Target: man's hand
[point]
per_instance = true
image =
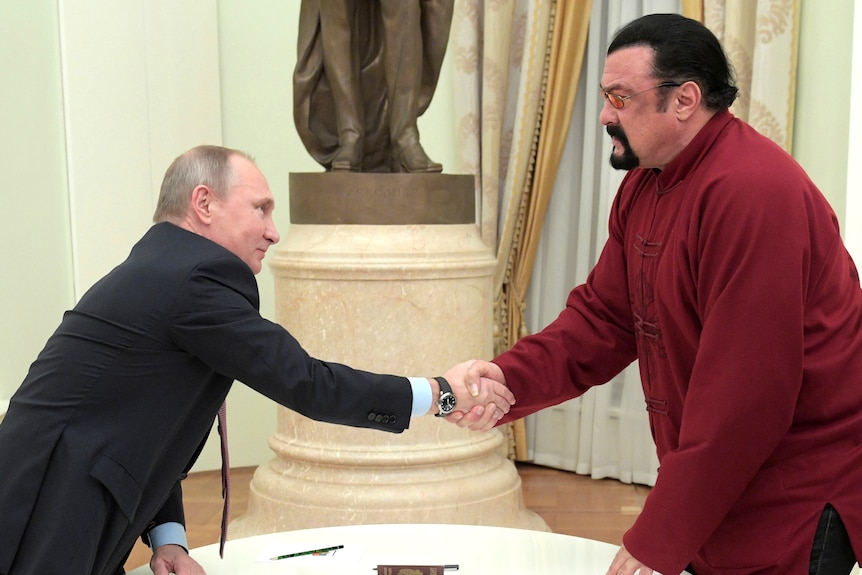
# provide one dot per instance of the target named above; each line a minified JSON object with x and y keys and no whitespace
{"x":625,"y":564}
{"x":482,"y":395}
{"x":174,"y":559}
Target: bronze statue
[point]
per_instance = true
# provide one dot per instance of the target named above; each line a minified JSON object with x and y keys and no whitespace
{"x":366,"y":70}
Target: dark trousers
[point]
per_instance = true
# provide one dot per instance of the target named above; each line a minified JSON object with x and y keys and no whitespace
{"x":831,"y":553}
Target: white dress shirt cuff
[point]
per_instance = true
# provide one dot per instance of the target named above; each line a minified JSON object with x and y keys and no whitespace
{"x":421,"y":395}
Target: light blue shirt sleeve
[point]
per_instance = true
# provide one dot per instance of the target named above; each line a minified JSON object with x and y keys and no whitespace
{"x":167,"y":534}
{"x":421,"y":395}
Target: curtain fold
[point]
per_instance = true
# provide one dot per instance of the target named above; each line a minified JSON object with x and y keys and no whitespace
{"x":566,"y":57}
{"x":761,"y":38}
{"x":489,"y":40}
{"x":693,"y":9}
{"x":568,"y":43}
{"x":513,"y":130}
{"x":500,"y":51}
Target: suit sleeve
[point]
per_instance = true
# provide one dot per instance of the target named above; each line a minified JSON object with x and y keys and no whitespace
{"x":173,"y":511}
{"x":219,"y":323}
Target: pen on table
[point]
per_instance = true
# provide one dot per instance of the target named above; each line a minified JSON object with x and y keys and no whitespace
{"x":310,"y":552}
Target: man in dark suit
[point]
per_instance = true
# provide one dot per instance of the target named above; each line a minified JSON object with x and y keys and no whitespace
{"x":118,"y":404}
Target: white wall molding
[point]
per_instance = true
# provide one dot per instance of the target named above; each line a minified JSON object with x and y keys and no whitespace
{"x":853,"y":221}
{"x":141,"y":84}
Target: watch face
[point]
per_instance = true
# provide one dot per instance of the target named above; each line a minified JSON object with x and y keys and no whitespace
{"x":447,"y":403}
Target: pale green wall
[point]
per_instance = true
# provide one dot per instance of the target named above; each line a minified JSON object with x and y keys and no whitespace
{"x":36,"y":280}
{"x":822,"y":97}
{"x":258,"y":51}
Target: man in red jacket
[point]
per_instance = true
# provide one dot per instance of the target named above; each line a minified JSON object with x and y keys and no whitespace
{"x":725,"y":276}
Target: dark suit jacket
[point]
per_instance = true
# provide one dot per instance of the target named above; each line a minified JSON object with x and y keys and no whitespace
{"x":117,"y":404}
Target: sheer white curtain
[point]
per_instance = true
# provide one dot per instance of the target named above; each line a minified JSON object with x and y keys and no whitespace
{"x":605,"y":433}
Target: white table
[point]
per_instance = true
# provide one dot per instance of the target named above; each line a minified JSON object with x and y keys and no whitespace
{"x":477,"y":550}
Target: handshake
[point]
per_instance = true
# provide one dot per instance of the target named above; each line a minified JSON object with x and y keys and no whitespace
{"x":481,"y":397}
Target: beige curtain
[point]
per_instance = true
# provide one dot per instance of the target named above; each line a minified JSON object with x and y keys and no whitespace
{"x":526,"y":213}
{"x":498,"y":48}
{"x":530,"y":50}
{"x":761,"y":38}
{"x":568,"y":42}
{"x":693,"y":9}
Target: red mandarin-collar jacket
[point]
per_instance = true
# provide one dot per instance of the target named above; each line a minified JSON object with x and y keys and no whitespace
{"x":726,"y":277}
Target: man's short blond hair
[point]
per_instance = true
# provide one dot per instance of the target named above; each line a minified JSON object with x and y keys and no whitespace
{"x":202,"y":165}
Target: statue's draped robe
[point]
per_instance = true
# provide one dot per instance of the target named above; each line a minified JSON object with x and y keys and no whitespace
{"x":313,"y":106}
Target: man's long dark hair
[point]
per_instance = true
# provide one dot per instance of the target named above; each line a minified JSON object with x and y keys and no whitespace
{"x":684,"y":50}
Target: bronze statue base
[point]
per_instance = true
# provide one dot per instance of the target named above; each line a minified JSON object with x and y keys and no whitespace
{"x":333,"y":198}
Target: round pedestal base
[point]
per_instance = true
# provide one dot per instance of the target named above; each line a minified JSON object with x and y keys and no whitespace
{"x":408,"y":299}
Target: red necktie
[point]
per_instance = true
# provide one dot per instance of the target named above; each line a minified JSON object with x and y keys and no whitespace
{"x":225,"y":475}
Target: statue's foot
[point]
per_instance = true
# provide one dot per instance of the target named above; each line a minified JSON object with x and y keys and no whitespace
{"x":348,"y":159}
{"x":412,"y":158}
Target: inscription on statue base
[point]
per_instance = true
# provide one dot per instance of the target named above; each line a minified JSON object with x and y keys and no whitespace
{"x":335,"y":198}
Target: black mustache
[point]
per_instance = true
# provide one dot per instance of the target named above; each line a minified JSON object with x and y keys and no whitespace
{"x":615,"y":131}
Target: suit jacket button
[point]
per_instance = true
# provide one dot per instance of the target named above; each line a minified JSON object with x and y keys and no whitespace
{"x":378,"y":419}
{"x":371,"y":416}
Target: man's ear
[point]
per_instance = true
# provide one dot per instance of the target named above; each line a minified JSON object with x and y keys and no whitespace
{"x":202,"y":199}
{"x":688,"y":98}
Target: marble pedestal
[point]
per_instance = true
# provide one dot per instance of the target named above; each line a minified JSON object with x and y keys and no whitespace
{"x":396,"y":297}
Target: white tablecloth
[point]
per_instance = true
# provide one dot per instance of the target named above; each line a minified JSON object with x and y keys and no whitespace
{"x":476,"y":550}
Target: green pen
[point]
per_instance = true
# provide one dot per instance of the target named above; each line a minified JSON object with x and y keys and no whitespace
{"x":310,"y":552}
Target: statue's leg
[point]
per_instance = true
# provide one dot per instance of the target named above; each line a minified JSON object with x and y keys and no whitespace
{"x":403,"y":57}
{"x":341,"y":64}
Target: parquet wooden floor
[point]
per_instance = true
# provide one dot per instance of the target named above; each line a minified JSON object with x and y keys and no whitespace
{"x":573,"y":504}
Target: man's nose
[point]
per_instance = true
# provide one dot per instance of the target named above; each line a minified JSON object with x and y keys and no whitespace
{"x":272,"y":233}
{"x":606,"y":115}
